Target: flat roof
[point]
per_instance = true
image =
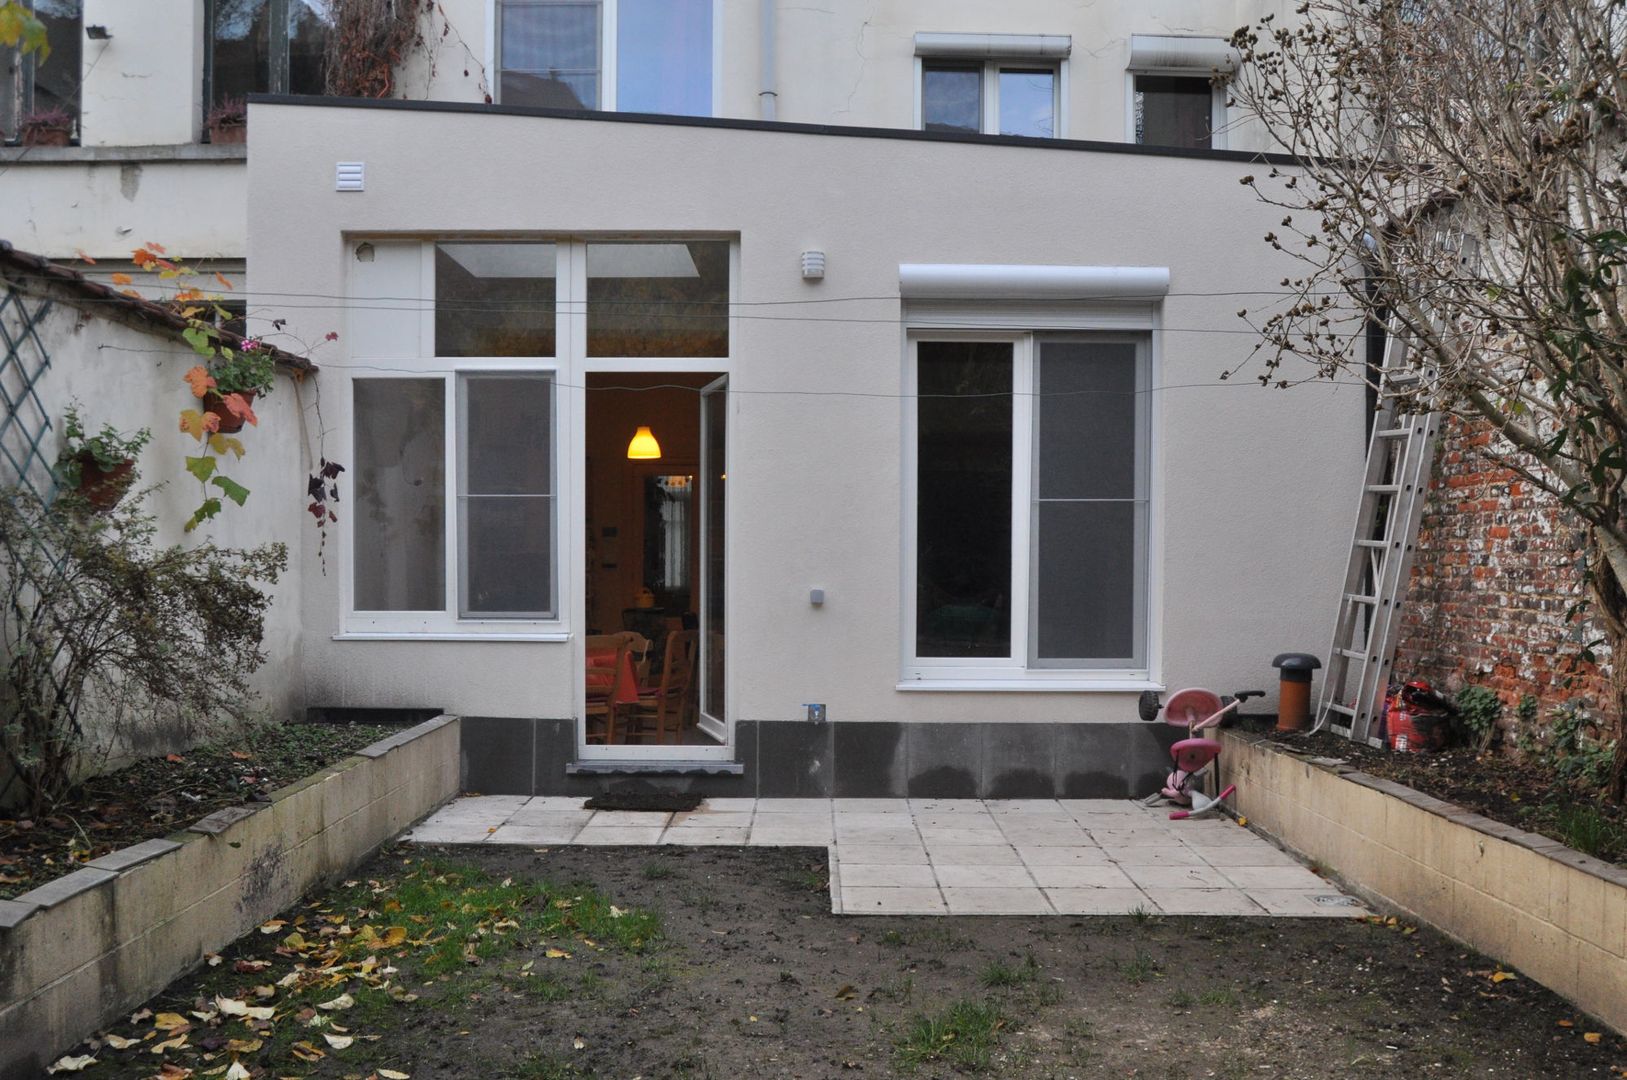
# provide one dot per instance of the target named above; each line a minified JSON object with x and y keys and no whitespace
{"x":906,"y":134}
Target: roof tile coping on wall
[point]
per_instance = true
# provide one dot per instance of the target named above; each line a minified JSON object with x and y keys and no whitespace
{"x":74,"y":286}
{"x":111,"y":865}
{"x":1542,"y":845}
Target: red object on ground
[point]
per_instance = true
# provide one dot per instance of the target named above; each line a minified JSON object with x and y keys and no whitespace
{"x":629,"y":678}
{"x":1414,"y":719}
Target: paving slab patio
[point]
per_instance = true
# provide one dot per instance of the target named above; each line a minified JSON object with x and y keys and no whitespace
{"x":950,"y":856}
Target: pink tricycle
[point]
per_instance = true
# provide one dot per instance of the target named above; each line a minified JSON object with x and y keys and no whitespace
{"x":1197,"y":710}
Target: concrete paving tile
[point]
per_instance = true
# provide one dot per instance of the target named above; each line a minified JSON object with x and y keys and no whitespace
{"x":1204,"y":902}
{"x":700,"y":836}
{"x":1222,"y":836}
{"x":1256,"y":854}
{"x":863,"y":819}
{"x":555,"y":804}
{"x":873,"y":837}
{"x":545,"y":820}
{"x":1131,"y":838}
{"x":1064,"y":856}
{"x":963,"y":836}
{"x":794,"y":806}
{"x":790,"y":821}
{"x":1102,"y":808}
{"x":1149,"y":878}
{"x":513,"y":833}
{"x":623,"y":819}
{"x":1154,"y":855}
{"x":896,"y":876}
{"x":983,"y":877}
{"x":880,"y":854}
{"x":947,"y":806}
{"x":873,"y":901}
{"x":728,"y":805}
{"x":619,"y":834}
{"x":1080,"y":877}
{"x":871,"y":806}
{"x":1100,"y":901}
{"x":1275,"y":877}
{"x":450,"y":834}
{"x":996,"y":901}
{"x":710,"y":821}
{"x":1026,"y":808}
{"x":1048,"y":837}
{"x":483,"y":807}
{"x":973,"y":854}
{"x":1324,"y":903}
{"x":770,"y":836}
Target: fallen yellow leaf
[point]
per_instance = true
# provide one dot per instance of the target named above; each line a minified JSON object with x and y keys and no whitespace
{"x":339,"y":1042}
{"x":557,"y":954}
{"x":233,"y":1007}
{"x":237,"y":1072}
{"x":1503,"y":976}
{"x":119,"y":1042}
{"x":273,"y":925}
{"x":70,"y":1063}
{"x":1567,"y":1023}
{"x":343,"y":1001}
{"x":169,"y":1044}
{"x":1591,"y":1036}
{"x":306,"y":1052}
{"x":391,"y":1074}
{"x":171,"y":1022}
{"x":243,"y":1046}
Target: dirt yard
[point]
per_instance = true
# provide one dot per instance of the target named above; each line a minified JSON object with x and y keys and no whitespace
{"x":725,"y":963}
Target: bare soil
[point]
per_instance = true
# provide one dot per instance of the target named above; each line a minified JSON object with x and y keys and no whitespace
{"x":751,"y":975}
{"x":154,"y":797}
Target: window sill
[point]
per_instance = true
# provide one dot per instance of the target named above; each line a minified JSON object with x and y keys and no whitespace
{"x":62,"y":155}
{"x":1043,"y":686}
{"x":402,"y":635}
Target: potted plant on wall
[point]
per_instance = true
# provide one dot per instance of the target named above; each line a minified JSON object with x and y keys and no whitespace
{"x":228,"y":122}
{"x":48,"y":127}
{"x":99,"y":467}
{"x":247,"y":371}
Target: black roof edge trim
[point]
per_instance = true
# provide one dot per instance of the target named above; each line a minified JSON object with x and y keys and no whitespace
{"x":906,"y":134}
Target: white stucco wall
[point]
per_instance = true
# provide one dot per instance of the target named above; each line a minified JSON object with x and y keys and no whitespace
{"x":132,"y":379}
{"x":1256,"y":486}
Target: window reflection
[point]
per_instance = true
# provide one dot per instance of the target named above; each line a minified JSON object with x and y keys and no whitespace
{"x":494,"y":299}
{"x":658,"y":299}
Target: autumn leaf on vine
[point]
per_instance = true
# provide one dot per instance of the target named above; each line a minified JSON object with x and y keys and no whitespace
{"x":209,"y":509}
{"x":83,"y":257}
{"x":196,"y":423}
{"x":121,"y":278}
{"x":234,"y":491}
{"x":143,"y":258}
{"x":153,"y":246}
{"x":201,"y":467}
{"x":238,"y":406}
{"x":220,"y":444}
{"x":200,"y":380}
{"x":224,"y":281}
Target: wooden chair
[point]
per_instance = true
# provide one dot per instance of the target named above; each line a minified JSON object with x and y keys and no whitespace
{"x":667,"y":700}
{"x":604,"y":685}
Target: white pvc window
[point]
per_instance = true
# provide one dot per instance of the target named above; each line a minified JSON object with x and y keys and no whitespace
{"x":655,"y":56}
{"x":1027,"y":552}
{"x":991,"y":98}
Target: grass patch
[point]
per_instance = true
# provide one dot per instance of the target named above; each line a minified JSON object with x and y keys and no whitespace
{"x":1217,"y":999}
{"x":657,"y":871}
{"x":997,"y":974}
{"x":1139,"y":968}
{"x":1590,"y":832}
{"x":1180,"y":999}
{"x":964,"y":1035}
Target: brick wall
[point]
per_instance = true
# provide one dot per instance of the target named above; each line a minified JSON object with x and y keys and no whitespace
{"x":1498,"y":566}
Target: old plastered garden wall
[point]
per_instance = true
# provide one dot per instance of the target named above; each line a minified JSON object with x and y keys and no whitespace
{"x":85,"y":948}
{"x":1530,"y":902}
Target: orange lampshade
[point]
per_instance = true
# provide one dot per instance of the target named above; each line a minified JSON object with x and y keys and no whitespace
{"x":643,"y":446}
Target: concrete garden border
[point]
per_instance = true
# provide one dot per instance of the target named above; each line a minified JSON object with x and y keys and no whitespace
{"x":82,"y":950}
{"x":1530,"y":902}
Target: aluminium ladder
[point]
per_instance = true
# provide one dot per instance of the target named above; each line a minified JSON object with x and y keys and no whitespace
{"x":1394,"y":488}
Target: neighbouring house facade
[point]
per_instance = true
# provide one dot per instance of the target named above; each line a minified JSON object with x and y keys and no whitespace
{"x":927,"y":306}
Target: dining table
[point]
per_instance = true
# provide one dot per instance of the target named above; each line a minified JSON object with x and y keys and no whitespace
{"x":599,"y":679}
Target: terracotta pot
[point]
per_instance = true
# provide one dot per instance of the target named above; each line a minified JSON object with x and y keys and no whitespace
{"x":228,"y":134}
{"x":230,"y":422}
{"x":46,"y":137}
{"x":103,"y":490}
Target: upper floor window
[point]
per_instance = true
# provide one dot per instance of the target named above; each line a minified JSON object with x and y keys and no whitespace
{"x":45,"y":89}
{"x":962,"y":89}
{"x":266,"y":46}
{"x":1173,"y":96}
{"x":628,"y":55}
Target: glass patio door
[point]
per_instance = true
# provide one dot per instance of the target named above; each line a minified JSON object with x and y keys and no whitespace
{"x":713,"y":481}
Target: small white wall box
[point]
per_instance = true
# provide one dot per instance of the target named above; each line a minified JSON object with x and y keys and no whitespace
{"x":813,"y":265}
{"x":350,"y":176}
{"x":816,"y":597}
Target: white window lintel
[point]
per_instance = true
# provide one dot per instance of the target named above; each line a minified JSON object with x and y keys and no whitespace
{"x":1180,"y":55}
{"x":968,"y":281}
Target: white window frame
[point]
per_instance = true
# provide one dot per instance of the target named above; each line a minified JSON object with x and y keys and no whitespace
{"x":947,"y":321}
{"x":989,"y":88}
{"x":609,"y":10}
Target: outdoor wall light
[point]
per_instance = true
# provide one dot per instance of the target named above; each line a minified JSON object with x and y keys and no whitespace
{"x":643,"y":446}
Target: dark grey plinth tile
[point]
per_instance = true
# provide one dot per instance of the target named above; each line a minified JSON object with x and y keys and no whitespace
{"x":1019,"y":761}
{"x":872,"y":761}
{"x":55,"y":892}
{"x":945,"y":761}
{"x":1113,"y":761}
{"x":794,"y":760}
{"x":134,"y":855}
{"x":221,"y":820}
{"x":555,"y":747}
{"x":13,"y":912}
{"x":745,"y":752}
{"x":497,"y":754}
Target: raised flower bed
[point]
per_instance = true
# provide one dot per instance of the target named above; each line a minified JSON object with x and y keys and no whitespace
{"x":83,"y":949}
{"x":1553,"y":913}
